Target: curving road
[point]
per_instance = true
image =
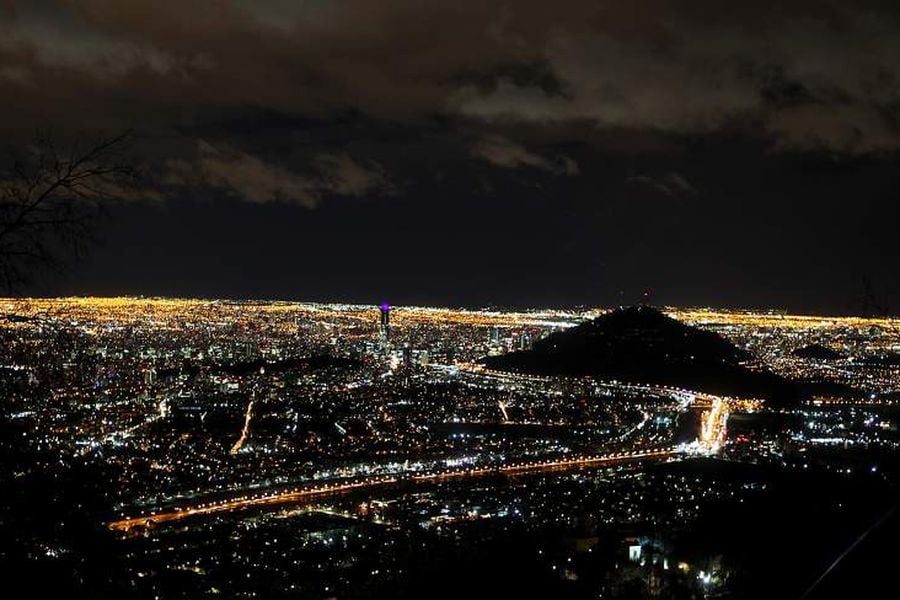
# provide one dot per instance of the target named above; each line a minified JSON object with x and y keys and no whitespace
{"x":366,"y":483}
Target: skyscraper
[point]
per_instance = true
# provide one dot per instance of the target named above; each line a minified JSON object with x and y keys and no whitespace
{"x":385,"y":319}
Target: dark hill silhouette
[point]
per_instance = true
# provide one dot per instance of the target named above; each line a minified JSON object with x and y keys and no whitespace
{"x":641,"y":344}
{"x":817,"y":352}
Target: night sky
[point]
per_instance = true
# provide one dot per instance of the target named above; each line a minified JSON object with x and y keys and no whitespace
{"x":479,"y":153}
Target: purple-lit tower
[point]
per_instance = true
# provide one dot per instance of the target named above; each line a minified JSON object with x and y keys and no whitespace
{"x":385,"y":319}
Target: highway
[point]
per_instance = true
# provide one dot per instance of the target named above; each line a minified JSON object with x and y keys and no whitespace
{"x":713,"y":426}
{"x":300,"y":494}
{"x":712,"y":434}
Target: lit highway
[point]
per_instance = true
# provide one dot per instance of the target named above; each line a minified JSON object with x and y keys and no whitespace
{"x":713,"y":426}
{"x":710,"y":439}
{"x":381,"y":481}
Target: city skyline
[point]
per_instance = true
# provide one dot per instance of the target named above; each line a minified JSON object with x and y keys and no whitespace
{"x":182,"y":448}
{"x":866,"y":314}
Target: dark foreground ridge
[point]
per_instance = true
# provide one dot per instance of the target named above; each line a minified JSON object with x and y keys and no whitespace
{"x":641,"y":344}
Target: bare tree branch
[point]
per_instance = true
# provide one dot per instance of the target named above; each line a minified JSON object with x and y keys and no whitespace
{"x":876,"y":304}
{"x":50,"y":202}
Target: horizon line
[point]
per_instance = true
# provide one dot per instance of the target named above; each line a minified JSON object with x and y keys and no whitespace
{"x":774,"y":312}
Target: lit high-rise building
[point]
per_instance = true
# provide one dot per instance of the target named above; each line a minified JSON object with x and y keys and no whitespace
{"x":385,"y":319}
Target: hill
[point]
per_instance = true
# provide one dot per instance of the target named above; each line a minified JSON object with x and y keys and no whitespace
{"x":641,"y":344}
{"x":817,"y":352}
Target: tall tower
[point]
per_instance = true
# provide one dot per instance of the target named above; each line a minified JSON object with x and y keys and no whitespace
{"x":385,"y":320}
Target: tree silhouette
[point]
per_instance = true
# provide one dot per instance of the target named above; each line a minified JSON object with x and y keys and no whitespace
{"x":50,"y":202}
{"x":876,"y":303}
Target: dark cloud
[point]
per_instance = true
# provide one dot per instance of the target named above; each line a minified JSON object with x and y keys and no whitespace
{"x":669,"y":185}
{"x":249,"y":178}
{"x":641,"y":65}
{"x":645,"y":65}
{"x":505,"y":153}
{"x":686,"y":77}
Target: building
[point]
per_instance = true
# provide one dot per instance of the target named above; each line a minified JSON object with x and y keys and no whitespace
{"x":385,"y":320}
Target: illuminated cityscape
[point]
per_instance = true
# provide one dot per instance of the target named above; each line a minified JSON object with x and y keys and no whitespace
{"x":449,"y":300}
{"x":261,"y":449}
